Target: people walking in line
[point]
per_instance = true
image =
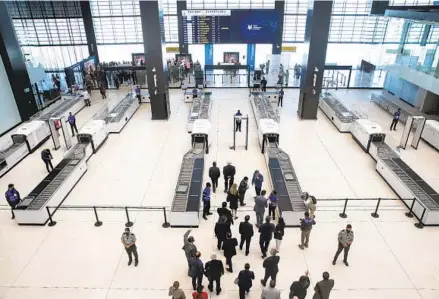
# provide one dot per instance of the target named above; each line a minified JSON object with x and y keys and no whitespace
{"x":272,"y":204}
{"x":229,"y":172}
{"x":246,"y":232}
{"x":222,"y":228}
{"x":233,"y":198}
{"x":281,"y":98}
{"x":243,"y":186}
{"x":13,"y":198}
{"x":129,"y":241}
{"x":46,"y":156}
{"x":196,"y":271}
{"x":257,"y":181}
{"x":200,"y":294}
{"x":175,"y":292}
{"x":271,"y":266}
{"x":245,"y":280}
{"x":189,"y":248}
{"x":270,"y":292}
{"x":345,"y":239}
{"x":395,"y":119}
{"x":214,"y":174}
{"x":259,"y":208}
{"x":206,"y":201}
{"x":305,"y":227}
{"x":311,"y":203}
{"x":279,"y":232}
{"x":323,"y":288}
{"x":72,"y":121}
{"x":229,"y":248}
{"x":224,"y":211}
{"x":266,"y":231}
{"x":299,"y":288}
{"x":214,"y":270}
{"x":238,"y":119}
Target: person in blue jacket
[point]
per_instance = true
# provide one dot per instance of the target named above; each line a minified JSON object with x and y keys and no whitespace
{"x":206,"y":201}
{"x":257,"y":181}
{"x":12,"y":197}
{"x":72,"y":121}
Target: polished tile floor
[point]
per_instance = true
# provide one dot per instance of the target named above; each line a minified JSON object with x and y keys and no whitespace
{"x":390,"y":258}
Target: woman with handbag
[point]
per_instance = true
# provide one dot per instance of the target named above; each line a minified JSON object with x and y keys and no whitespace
{"x":244,"y":280}
{"x":279,"y":231}
{"x":232,"y":198}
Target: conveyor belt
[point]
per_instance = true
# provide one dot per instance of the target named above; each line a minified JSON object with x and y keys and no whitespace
{"x":412,"y":181}
{"x":284,"y":179}
{"x":119,"y":111}
{"x":8,"y":151}
{"x":187,"y":193}
{"x":60,"y":109}
{"x":343,"y":114}
{"x":384,"y":151}
{"x":44,"y":191}
{"x":265,"y":108}
{"x":205,"y":108}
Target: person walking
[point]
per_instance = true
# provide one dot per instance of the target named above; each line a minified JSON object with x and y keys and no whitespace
{"x":305,"y":227}
{"x":279,"y":232}
{"x":229,"y":172}
{"x":200,"y":294}
{"x":238,"y":118}
{"x":257,"y":181}
{"x":243,"y":186}
{"x":232,"y":198}
{"x":214,"y":270}
{"x":206,"y":201}
{"x":395,"y":119}
{"x":271,"y":266}
{"x":189,"y":248}
{"x":266,"y":234}
{"x":175,"y":292}
{"x":323,"y":288}
{"x":272,"y":204}
{"x":72,"y":121}
{"x":345,"y":239}
{"x":138,"y":94}
{"x":299,"y":288}
{"x":13,"y":198}
{"x":245,"y":280}
{"x":229,"y":248}
{"x":222,"y":228}
{"x":281,"y":97}
{"x":46,"y":156}
{"x":246,"y":232}
{"x":259,"y":207}
{"x":270,"y":292}
{"x":103,"y":91}
{"x":311,"y":203}
{"x":224,"y":211}
{"x":129,"y":241}
{"x":263,"y":84}
{"x":214,"y":174}
{"x":196,"y":271}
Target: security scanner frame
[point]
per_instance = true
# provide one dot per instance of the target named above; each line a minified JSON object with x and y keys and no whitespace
{"x":413,"y":122}
{"x":186,"y":203}
{"x":337,"y":113}
{"x":365,"y":132}
{"x":201,"y":108}
{"x":235,"y":118}
{"x":54,"y":132}
{"x":430,"y":134}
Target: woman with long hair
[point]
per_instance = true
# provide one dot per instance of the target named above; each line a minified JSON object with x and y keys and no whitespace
{"x":279,"y":231}
{"x":199,"y":294}
{"x":233,"y":198}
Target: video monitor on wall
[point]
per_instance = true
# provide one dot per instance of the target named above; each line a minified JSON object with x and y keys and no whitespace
{"x":89,"y":65}
{"x":231,"y":57}
{"x":138,"y":58}
{"x":256,"y":26}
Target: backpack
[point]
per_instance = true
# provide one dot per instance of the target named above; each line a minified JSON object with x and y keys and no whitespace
{"x":313,"y":199}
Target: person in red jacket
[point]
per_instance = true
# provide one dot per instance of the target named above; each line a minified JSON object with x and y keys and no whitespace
{"x":199,"y":294}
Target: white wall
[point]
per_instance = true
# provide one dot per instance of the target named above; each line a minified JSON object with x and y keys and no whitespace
{"x":120,"y":53}
{"x":262,"y":52}
{"x":9,"y":115}
{"x":197,"y":52}
{"x":219,"y":49}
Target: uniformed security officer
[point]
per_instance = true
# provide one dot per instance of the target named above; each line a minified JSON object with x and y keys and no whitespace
{"x":12,"y":197}
{"x":345,"y":239}
{"x":129,"y":241}
{"x":238,"y":117}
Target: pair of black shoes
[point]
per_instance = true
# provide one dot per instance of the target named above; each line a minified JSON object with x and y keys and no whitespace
{"x":135,"y":263}
{"x":344,"y":262}
{"x":217,"y":291}
{"x":246,"y":253}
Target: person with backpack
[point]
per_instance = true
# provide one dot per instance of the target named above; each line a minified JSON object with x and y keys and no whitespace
{"x":305,"y":226}
{"x":232,"y":198}
{"x":272,"y":204}
{"x":311,"y":203}
{"x":243,"y":186}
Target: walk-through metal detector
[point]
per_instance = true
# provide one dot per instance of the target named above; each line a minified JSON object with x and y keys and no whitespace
{"x":411,"y":121}
{"x":54,"y":132}
{"x":235,"y":118}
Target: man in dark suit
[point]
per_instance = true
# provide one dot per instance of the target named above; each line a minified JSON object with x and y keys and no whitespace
{"x":224,"y":211}
{"x":266,"y":234}
{"x":323,"y":288}
{"x":214,"y":174}
{"x":229,"y":172}
{"x":246,"y":231}
{"x":222,"y":227}
{"x":271,"y":266}
{"x":214,"y":270}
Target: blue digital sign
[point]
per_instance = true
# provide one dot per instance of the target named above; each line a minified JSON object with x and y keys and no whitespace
{"x":255,"y":26}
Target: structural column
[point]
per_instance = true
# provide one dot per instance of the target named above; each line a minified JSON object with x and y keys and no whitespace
{"x":277,"y":46}
{"x":184,"y":49}
{"x":89,"y":29}
{"x":156,"y":69}
{"x":316,"y":40}
{"x":15,"y":66}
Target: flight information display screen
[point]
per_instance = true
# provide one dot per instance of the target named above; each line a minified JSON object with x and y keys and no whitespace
{"x":230,"y":26}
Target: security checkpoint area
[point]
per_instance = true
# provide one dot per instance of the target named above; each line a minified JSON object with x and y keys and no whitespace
{"x":349,"y":116}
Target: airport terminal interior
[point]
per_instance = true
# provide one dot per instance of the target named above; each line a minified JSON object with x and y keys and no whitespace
{"x":335,"y":99}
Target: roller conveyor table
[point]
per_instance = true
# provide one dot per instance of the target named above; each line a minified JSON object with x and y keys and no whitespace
{"x":264,"y":108}
{"x":337,"y":113}
{"x":200,"y":110}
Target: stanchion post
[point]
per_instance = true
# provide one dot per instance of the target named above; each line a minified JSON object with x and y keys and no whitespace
{"x":98,"y":222}
{"x":165,"y":224}
{"x":410,"y":212}
{"x":51,"y":222}
{"x":129,"y":223}
{"x":420,"y":225}
{"x":343,"y":214}
{"x":375,"y":214}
